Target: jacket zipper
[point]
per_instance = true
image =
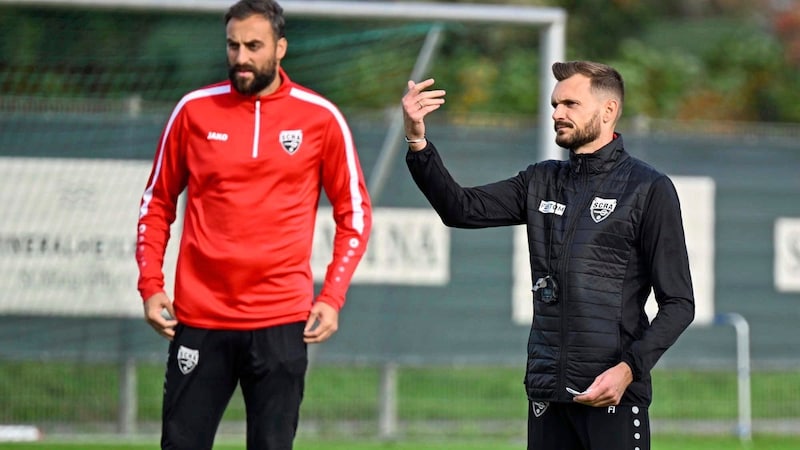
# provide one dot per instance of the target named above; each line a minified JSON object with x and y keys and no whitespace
{"x":562,"y":273}
{"x":257,"y":131}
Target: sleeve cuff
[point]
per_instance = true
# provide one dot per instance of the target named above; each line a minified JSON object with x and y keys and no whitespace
{"x":629,"y":359}
{"x":337,"y":305}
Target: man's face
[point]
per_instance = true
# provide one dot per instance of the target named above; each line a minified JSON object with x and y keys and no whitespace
{"x":253,"y":55}
{"x":576,"y":115}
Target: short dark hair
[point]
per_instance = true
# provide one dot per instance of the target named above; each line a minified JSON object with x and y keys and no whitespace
{"x":269,"y":9}
{"x":602,"y":77}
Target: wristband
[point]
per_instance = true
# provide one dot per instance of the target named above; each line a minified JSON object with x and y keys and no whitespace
{"x":414,"y":141}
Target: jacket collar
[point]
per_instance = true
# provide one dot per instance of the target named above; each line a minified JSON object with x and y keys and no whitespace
{"x":600,"y":161}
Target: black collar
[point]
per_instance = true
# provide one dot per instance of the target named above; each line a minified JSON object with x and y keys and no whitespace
{"x":602,"y":160}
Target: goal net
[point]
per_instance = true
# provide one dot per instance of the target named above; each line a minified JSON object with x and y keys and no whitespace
{"x":86,"y":85}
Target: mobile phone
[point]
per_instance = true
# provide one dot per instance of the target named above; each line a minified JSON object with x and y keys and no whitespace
{"x":574,"y":392}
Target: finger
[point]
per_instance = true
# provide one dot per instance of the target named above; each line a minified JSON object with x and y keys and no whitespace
{"x":168,"y":333}
{"x":156,"y":318}
{"x":603,"y":397}
{"x":589,"y":396}
{"x":416,"y":88}
{"x":314,"y":336}
{"x":166,"y":330}
{"x":433,"y":105}
{"x":316,"y":327}
{"x":323,"y":330}
{"x":170,"y":309}
{"x":431,"y":98}
{"x":312,"y":320}
{"x":320,"y":334}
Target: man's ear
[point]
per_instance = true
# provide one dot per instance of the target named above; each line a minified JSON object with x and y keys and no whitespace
{"x":610,"y":110}
{"x":280,"y":48}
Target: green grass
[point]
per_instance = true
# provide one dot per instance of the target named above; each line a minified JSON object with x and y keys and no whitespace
{"x":441,"y":402}
{"x":658,"y":443}
{"x":73,"y":392}
{"x":712,"y":395}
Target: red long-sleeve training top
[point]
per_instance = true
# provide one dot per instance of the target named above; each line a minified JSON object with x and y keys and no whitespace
{"x":252,"y":168}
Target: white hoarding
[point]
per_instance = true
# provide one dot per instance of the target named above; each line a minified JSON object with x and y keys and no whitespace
{"x":407,"y":246}
{"x":68,"y":236}
{"x":787,"y":254}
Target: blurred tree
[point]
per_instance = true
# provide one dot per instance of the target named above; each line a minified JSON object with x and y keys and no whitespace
{"x":786,"y":22}
{"x":489,"y":69}
{"x":685,"y":59}
{"x":690,"y":59}
{"x":702,"y":69}
{"x":181,"y":53}
{"x":597,"y":27}
{"x":655,"y":80}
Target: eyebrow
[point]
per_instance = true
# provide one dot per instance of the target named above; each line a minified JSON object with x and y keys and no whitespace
{"x":562,"y":101}
{"x":251,"y":42}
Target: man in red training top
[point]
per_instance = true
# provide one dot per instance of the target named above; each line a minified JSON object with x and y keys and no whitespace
{"x":253,"y":155}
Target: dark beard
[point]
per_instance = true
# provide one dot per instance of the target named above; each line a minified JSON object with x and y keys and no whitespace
{"x":261,"y":79}
{"x":582,"y":136}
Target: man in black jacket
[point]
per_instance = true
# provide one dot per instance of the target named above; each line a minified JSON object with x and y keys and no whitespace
{"x":604,"y":228}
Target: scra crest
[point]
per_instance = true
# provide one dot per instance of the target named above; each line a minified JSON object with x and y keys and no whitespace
{"x":187,"y":359}
{"x":602,"y":208}
{"x":291,"y":140}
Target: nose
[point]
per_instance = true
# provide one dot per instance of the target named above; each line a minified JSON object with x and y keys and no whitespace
{"x":558,"y":112}
{"x":240,"y":56}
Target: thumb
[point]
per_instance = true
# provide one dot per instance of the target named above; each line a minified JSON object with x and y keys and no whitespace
{"x":170,"y":309}
{"x":312,"y":319}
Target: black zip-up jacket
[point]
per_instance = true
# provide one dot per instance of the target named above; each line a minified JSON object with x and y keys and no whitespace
{"x":607,"y":227}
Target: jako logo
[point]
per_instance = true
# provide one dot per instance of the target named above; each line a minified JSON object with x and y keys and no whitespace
{"x":214,"y":136}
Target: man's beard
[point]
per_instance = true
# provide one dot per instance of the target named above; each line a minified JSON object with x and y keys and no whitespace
{"x":261,"y":79}
{"x":580,"y":136}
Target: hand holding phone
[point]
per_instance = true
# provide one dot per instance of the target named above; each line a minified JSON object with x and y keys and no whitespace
{"x":574,"y":392}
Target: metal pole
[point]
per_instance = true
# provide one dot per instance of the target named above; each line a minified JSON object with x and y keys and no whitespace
{"x":391,"y":10}
{"x":392,"y":142}
{"x":128,"y":401}
{"x":745,"y":426}
{"x":387,"y":401}
{"x":128,"y":405}
{"x":552,"y":50}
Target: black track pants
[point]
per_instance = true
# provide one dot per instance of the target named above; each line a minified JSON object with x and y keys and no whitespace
{"x":573,"y":426}
{"x":203,"y":369}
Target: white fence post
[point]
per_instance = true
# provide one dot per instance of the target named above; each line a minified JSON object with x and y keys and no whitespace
{"x":387,"y":401}
{"x":744,"y":427}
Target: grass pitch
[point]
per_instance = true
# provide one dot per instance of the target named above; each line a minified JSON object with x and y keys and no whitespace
{"x":659,"y":443}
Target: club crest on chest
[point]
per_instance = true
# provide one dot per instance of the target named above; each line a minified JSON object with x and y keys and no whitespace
{"x":291,"y":140}
{"x":601,"y":208}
